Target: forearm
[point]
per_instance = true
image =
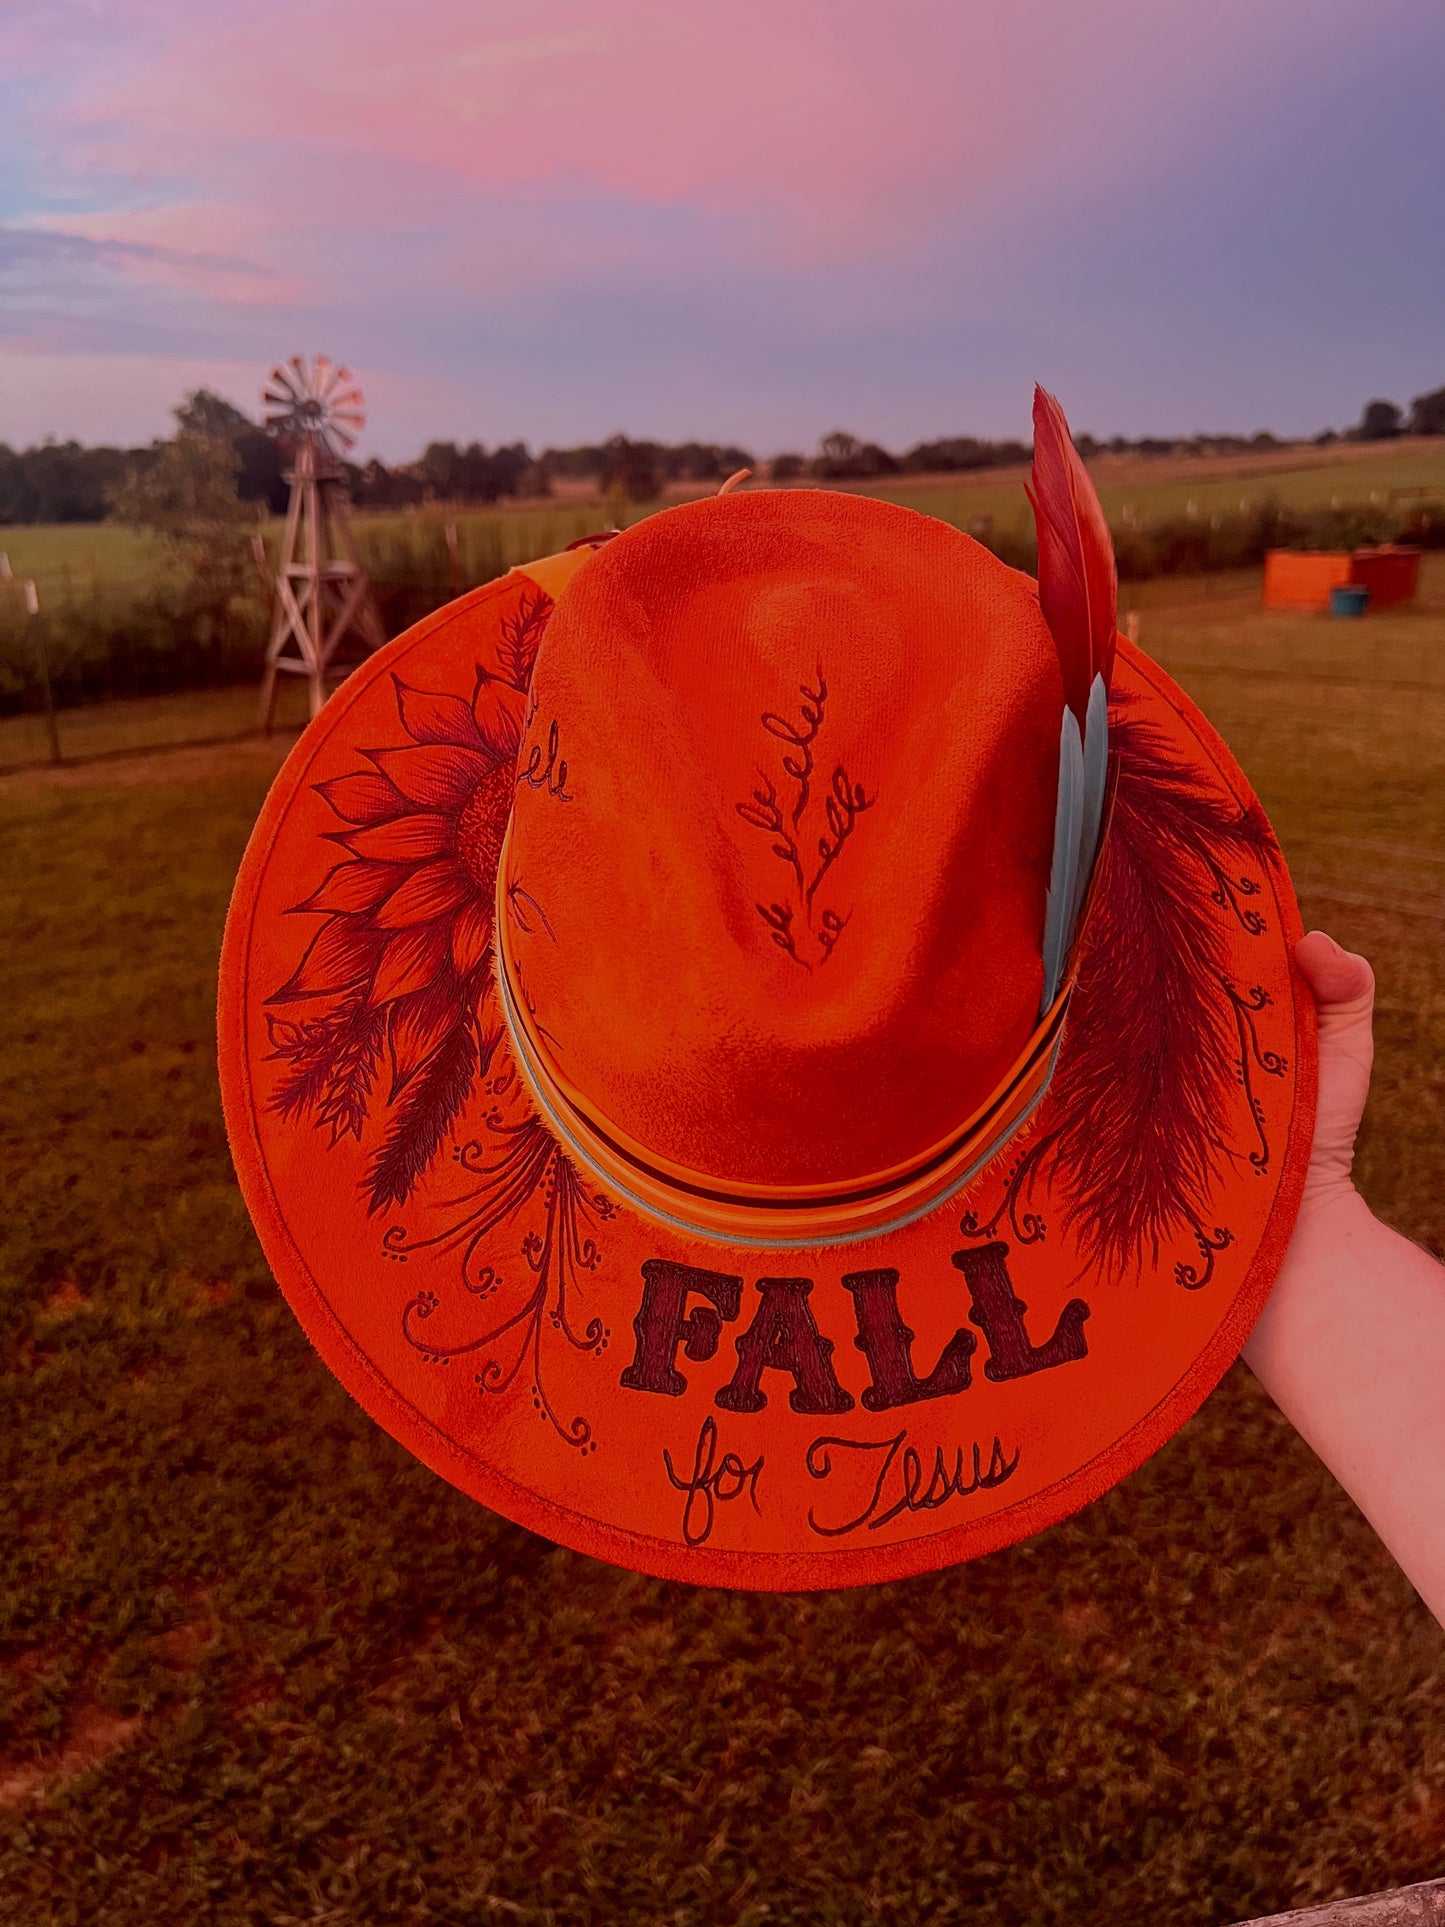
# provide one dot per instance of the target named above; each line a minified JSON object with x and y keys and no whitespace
{"x":1351,"y":1347}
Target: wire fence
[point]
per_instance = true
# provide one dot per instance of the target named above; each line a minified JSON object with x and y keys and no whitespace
{"x":113,"y":654}
{"x":127,"y":650}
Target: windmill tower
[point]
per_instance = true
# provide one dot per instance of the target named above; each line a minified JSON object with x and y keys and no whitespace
{"x":325,"y":619}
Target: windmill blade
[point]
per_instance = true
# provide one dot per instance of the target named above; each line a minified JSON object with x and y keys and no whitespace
{"x":280,"y":392}
{"x":317,"y":401}
{"x":280,"y":386}
{"x":350,"y":420}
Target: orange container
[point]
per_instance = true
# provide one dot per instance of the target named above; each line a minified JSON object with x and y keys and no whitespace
{"x":1391,"y":574}
{"x":1296,"y":580}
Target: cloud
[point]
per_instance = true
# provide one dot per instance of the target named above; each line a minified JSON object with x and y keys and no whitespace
{"x":834,"y":124}
{"x":57,"y":255}
{"x":551,"y":218}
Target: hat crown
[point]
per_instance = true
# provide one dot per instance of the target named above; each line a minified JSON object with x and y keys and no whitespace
{"x":778,"y":862}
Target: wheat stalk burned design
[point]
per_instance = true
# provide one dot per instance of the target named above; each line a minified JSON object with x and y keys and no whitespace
{"x":781,"y":818}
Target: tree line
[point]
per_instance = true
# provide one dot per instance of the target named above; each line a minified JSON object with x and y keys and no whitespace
{"x":67,"y":482}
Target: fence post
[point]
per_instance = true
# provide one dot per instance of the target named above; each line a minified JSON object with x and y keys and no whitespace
{"x":32,"y":613}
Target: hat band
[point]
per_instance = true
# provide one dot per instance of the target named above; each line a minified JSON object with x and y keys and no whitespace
{"x":770,"y":1217}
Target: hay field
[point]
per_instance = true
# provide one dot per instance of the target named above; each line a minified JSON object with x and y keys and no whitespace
{"x":1145,"y":489}
{"x":258,"y":1666}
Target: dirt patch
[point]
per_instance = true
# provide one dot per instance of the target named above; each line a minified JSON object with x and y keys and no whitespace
{"x":96,"y":1733}
{"x":62,"y":1304}
{"x":201,"y":1294}
{"x":181,"y":1648}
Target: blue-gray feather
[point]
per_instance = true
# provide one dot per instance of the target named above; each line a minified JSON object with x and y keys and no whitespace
{"x":1068,"y":823}
{"x":1096,"y":769}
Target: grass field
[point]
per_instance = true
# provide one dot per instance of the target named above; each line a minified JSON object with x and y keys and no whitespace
{"x":1142,"y":490}
{"x":257,"y":1666}
{"x":68,"y":561}
{"x":199,"y":717}
{"x":74,"y":561}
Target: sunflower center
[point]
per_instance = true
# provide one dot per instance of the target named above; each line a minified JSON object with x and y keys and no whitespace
{"x":482,"y":825}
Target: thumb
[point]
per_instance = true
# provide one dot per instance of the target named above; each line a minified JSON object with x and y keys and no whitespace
{"x":1344,"y":992}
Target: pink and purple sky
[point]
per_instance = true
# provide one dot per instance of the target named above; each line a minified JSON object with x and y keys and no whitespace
{"x":548,"y":220}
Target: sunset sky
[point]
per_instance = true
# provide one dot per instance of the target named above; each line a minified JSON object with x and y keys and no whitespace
{"x":547,"y":220}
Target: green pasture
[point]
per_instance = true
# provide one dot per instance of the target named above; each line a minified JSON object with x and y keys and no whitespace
{"x":258,"y":1667}
{"x":70,"y":562}
{"x":75,"y":558}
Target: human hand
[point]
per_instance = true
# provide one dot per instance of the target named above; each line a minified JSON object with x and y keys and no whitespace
{"x":1344,"y":992}
{"x":1351,"y":1340}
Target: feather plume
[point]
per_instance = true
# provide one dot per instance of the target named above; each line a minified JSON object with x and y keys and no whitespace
{"x":1078,"y":584}
{"x":1096,"y":781}
{"x":1078,"y":594}
{"x":1146,"y":1082}
{"x":1063,"y":880}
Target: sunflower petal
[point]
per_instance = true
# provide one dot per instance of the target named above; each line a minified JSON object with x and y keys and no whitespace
{"x":365,"y":797}
{"x":410,"y":961}
{"x":500,"y":712}
{"x":354,"y":887}
{"x":435,"y":776}
{"x":429,"y":892}
{"x":340,"y":955}
{"x":418,"y":1024}
{"x":428,"y":716}
{"x":410,"y":839}
{"x":471,"y":934}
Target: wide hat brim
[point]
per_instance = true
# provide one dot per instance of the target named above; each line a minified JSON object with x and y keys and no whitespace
{"x":669,"y":1403}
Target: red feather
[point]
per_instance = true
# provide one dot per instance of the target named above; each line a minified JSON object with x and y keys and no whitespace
{"x":1078,"y":585}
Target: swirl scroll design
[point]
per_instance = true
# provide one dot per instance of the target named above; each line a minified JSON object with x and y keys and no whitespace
{"x":558,"y":1255}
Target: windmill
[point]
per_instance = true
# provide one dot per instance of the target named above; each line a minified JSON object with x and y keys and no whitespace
{"x":325,"y":617}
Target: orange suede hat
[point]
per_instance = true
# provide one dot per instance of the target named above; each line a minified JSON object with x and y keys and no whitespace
{"x":767,"y":1049}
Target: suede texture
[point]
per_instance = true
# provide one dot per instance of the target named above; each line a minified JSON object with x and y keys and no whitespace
{"x":780,"y":919}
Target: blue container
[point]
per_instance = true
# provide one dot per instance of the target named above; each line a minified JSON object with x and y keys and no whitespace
{"x":1349,"y":599}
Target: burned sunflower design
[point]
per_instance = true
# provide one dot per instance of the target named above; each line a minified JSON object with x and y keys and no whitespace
{"x":389,"y":1026}
{"x":388,"y":1010}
